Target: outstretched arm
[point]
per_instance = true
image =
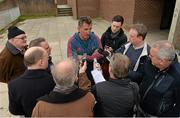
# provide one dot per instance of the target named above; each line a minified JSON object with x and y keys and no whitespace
{"x":83,"y":81}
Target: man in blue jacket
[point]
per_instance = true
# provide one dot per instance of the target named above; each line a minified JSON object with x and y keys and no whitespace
{"x":136,"y":48}
{"x":84,"y":44}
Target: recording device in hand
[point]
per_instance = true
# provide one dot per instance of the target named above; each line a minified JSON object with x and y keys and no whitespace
{"x":104,"y":53}
{"x":96,"y":65}
{"x":84,"y":59}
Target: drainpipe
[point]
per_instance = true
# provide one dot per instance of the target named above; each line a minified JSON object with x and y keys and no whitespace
{"x":77,"y":13}
{"x":174,"y":22}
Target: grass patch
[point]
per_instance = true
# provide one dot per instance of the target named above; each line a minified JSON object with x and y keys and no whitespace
{"x":22,"y":18}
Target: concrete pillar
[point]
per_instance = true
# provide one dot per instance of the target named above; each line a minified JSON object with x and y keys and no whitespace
{"x":174,"y":34}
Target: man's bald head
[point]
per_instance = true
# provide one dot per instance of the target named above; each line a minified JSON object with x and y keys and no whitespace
{"x":65,"y":73}
{"x":33,"y":55}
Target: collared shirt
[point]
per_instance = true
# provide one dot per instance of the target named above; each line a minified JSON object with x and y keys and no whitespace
{"x":141,"y":46}
{"x":12,"y":48}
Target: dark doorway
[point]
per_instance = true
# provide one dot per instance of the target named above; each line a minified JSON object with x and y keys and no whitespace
{"x":167,"y":14}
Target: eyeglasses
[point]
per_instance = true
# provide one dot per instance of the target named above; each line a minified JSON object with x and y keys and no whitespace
{"x":23,"y":38}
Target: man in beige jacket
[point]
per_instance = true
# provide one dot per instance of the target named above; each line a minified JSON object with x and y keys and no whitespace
{"x":67,"y":100}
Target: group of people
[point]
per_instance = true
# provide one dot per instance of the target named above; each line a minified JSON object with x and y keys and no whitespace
{"x":136,"y":74}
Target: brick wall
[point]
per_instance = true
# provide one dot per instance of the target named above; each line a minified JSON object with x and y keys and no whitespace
{"x":37,"y":7}
{"x":148,"y":12}
{"x":88,"y":8}
{"x":61,"y":2}
{"x":72,"y":3}
{"x":110,"y":8}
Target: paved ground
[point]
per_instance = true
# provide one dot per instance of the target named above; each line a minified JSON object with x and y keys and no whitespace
{"x":57,"y":30}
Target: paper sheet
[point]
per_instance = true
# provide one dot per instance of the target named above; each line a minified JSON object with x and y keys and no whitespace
{"x":97,"y":76}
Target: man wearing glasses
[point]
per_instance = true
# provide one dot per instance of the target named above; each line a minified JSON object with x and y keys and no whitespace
{"x":12,"y":56}
{"x":160,"y":86}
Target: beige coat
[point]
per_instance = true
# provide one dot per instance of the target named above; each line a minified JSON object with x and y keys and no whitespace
{"x":11,"y":66}
{"x":82,"y":107}
{"x":79,"y":103}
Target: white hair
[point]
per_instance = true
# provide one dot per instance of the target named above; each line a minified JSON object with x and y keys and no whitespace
{"x":165,"y":50}
{"x":65,"y":78}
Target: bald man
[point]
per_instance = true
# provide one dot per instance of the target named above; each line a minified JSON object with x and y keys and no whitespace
{"x":42,"y":42}
{"x":32,"y":84}
{"x":67,"y":99}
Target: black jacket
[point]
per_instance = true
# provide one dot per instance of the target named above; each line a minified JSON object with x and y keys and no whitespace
{"x":114,"y":98}
{"x":116,"y":42}
{"x":24,"y":91}
{"x":159,"y":90}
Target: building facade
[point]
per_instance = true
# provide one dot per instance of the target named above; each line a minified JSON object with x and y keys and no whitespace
{"x":155,"y":14}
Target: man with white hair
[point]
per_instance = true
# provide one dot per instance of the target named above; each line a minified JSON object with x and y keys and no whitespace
{"x":32,"y":84}
{"x":67,"y":99}
{"x":160,"y":86}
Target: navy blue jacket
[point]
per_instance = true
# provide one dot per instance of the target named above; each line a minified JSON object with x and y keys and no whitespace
{"x":50,"y":64}
{"x":160,"y":90}
{"x":145,"y":52}
{"x":24,"y":91}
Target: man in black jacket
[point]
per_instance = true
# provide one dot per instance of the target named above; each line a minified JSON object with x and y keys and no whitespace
{"x":160,"y":86}
{"x":111,"y":40}
{"x":114,"y":36}
{"x":115,"y":97}
{"x":32,"y":84}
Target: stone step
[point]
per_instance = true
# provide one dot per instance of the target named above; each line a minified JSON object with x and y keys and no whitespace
{"x":65,"y":14}
{"x":61,"y":11}
{"x":64,"y":11}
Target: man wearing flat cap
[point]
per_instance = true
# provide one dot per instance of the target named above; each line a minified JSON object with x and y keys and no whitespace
{"x":11,"y":57}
